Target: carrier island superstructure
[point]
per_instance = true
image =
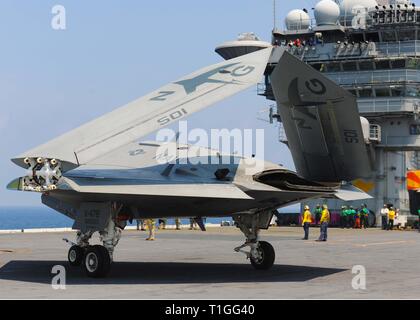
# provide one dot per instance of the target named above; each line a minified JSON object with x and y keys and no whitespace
{"x":372,"y":49}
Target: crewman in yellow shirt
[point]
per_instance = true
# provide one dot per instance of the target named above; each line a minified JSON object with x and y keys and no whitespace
{"x":151,"y":226}
{"x":325,"y":220}
{"x":306,"y":221}
{"x":391,"y":218}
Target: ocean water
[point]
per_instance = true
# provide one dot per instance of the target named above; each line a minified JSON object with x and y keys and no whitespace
{"x":12,"y":218}
{"x":17,"y":218}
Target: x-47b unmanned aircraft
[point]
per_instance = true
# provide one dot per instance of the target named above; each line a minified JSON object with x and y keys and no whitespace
{"x":101,"y":176}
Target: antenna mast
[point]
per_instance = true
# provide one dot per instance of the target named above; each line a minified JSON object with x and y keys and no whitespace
{"x":274,"y":14}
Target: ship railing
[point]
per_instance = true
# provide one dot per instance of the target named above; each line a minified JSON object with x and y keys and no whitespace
{"x":387,"y":105}
{"x":358,"y":50}
{"x":301,"y":51}
{"x":374,"y":77}
{"x":401,"y":48}
{"x":401,"y":141}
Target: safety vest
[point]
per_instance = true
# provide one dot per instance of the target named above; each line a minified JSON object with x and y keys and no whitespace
{"x":325,"y":216}
{"x":391,"y":215}
{"x":307,"y":217}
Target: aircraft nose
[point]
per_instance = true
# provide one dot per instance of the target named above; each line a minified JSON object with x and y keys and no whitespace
{"x":15,"y":185}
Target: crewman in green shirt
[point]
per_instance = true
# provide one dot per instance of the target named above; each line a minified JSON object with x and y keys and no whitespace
{"x":343,"y":217}
{"x":364,"y":216}
{"x":347,"y":215}
{"x":352,"y":215}
{"x":318,"y":214}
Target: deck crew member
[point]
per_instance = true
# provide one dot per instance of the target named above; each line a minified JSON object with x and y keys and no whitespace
{"x":325,"y":220}
{"x":306,"y":222}
{"x":140,"y":225}
{"x":347,"y":217}
{"x":178,"y":224}
{"x":384,"y":216}
{"x":391,"y":217}
{"x":343,"y":214}
{"x":318,"y":213}
{"x":151,"y":227}
{"x":352,"y":215}
{"x":357,"y":218}
{"x":193,"y":224}
{"x":162,"y":224}
{"x":364,"y":216}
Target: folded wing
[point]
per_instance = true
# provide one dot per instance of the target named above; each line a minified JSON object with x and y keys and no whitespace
{"x":321,"y":121}
{"x":171,"y":103}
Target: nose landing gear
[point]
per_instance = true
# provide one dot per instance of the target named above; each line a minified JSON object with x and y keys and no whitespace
{"x":261,"y":254}
{"x":265,"y":257}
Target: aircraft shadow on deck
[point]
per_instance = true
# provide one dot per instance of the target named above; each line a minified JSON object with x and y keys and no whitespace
{"x":163,"y":273}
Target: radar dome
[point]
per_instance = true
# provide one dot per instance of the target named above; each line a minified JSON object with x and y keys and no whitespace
{"x":327,"y":12}
{"x":246,"y":43}
{"x":298,"y":20}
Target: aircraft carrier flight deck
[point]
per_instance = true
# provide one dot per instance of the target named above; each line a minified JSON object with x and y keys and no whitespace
{"x":195,"y":265}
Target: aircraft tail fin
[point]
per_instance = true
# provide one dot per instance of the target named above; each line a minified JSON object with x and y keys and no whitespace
{"x":321,"y":121}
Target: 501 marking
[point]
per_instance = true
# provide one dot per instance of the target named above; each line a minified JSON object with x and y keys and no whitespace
{"x":172,"y":117}
{"x":351,"y":136}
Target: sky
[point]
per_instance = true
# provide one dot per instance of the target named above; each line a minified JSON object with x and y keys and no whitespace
{"x":113,"y":52}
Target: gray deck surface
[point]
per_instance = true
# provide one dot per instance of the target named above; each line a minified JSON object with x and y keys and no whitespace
{"x":202,"y":265}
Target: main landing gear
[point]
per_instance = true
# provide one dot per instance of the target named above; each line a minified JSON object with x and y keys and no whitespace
{"x":261,"y":253}
{"x":76,"y":255}
{"x":96,"y":260}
